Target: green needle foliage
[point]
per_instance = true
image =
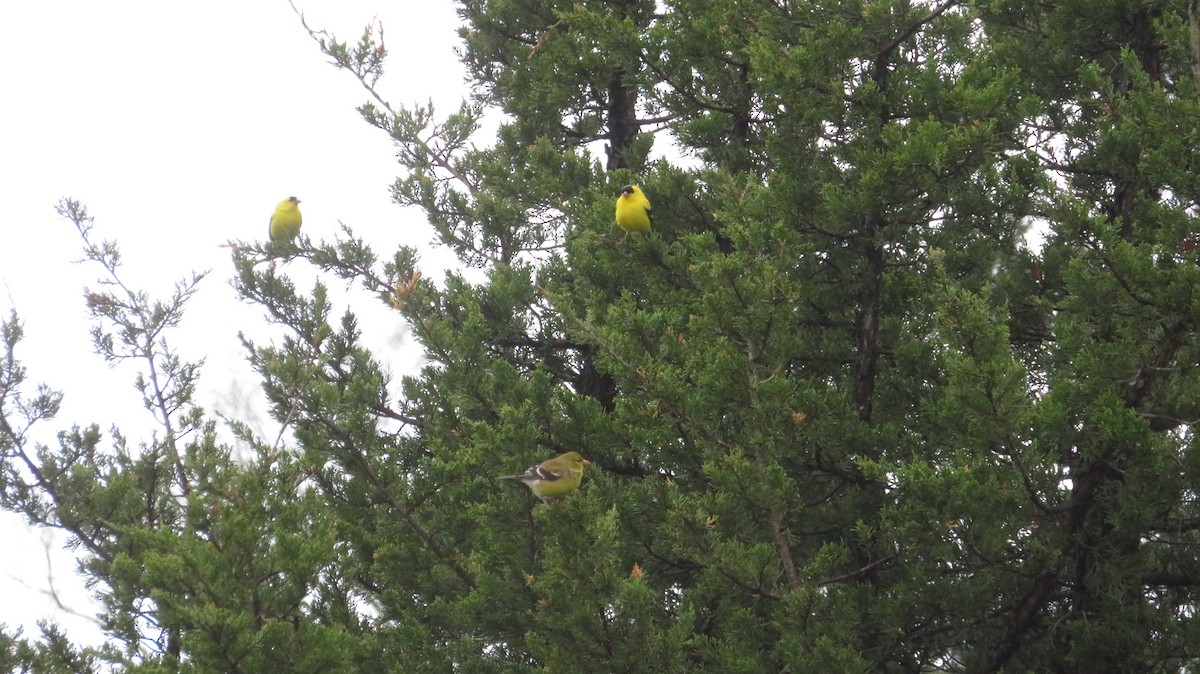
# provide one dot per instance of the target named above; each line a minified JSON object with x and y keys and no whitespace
{"x":902,"y":380}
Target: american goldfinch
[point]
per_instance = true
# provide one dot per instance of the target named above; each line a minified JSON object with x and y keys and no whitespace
{"x":554,"y":477}
{"x":285,"y":222}
{"x":633,"y":210}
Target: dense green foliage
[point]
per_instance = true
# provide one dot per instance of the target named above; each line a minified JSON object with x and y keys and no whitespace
{"x":903,"y":379}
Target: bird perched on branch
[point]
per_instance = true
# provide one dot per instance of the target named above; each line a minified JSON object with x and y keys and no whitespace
{"x":554,"y":477}
{"x":633,"y":211}
{"x":285,"y":221}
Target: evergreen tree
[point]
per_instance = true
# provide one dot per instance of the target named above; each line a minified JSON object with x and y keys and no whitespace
{"x":841,"y":415}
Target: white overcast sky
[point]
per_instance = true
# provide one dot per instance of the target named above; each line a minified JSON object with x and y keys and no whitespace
{"x":180,"y":125}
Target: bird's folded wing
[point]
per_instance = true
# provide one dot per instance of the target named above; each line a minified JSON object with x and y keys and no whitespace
{"x":542,"y":473}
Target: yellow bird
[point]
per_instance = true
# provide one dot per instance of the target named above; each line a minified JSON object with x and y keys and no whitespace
{"x":554,"y":477}
{"x":633,"y":211}
{"x":285,"y":222}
